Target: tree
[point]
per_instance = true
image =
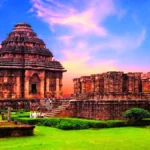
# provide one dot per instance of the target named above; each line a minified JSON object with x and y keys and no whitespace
{"x":136,"y":114}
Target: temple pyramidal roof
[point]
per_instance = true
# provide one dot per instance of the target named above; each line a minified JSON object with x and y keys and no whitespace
{"x":23,"y":49}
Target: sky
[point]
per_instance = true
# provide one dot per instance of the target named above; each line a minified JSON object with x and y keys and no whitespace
{"x":86,"y":36}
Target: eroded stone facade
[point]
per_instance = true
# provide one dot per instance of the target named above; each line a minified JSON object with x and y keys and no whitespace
{"x":27,"y":67}
{"x":113,"y":86}
{"x":103,"y":110}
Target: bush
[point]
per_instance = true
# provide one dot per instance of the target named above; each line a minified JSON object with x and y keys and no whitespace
{"x":115,"y":123}
{"x":106,"y":124}
{"x":96,"y":124}
{"x":72,"y":124}
{"x":53,"y":122}
{"x":31,"y":121}
{"x":15,"y":115}
{"x":21,"y":111}
{"x":136,"y":114}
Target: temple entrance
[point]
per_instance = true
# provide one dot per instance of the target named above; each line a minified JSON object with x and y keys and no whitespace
{"x":33,"y":89}
{"x":34,"y":84}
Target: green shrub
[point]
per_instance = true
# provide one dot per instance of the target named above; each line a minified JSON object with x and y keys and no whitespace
{"x":105,"y":124}
{"x":115,"y":123}
{"x":64,"y":125}
{"x":31,"y":121}
{"x":53,"y":122}
{"x":72,"y":124}
{"x":136,"y":114}
{"x":21,"y":111}
{"x":15,"y":115}
{"x":97,"y":124}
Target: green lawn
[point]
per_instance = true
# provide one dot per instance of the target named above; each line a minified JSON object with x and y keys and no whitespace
{"x":47,"y":138}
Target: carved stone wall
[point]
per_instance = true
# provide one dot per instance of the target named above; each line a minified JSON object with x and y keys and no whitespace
{"x":103,"y":110}
{"x":53,"y":84}
{"x":17,"y":104}
{"x":146,"y":83}
{"x":113,"y":86}
{"x":10,"y":83}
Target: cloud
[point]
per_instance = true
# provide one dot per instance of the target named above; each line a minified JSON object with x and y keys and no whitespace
{"x":80,"y":62}
{"x":65,"y":39}
{"x":83,"y":36}
{"x":121,"y":43}
{"x":87,"y":20}
{"x":141,"y":38}
{"x":79,"y":58}
{"x":77,"y":65}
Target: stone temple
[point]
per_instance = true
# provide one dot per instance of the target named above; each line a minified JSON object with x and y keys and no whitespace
{"x":28,"y":73}
{"x":113,"y":85}
{"x":27,"y":67}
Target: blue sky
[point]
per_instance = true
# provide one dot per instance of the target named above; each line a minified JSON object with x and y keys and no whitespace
{"x":86,"y":36}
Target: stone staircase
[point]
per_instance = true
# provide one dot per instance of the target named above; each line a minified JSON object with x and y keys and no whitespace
{"x":45,"y":104}
{"x":57,"y":110}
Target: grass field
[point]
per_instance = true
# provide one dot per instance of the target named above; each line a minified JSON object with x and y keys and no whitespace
{"x":46,"y":138}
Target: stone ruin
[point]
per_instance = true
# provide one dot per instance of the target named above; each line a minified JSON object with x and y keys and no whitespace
{"x":113,"y":86}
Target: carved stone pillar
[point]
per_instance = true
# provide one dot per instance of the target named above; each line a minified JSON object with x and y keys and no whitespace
{"x":83,"y":86}
{"x":93,"y":86}
{"x":129,"y":84}
{"x":26,"y":89}
{"x":60,"y":87}
{"x":57,"y":87}
{"x":47,"y":84}
{"x":18,"y":87}
{"x":42,"y":90}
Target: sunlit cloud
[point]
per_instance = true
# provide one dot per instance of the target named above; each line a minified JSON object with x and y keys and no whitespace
{"x":90,"y":19}
{"x":87,"y":35}
{"x":77,"y":65}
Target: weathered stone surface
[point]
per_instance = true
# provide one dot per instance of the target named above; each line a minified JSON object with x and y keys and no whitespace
{"x":113,"y":86}
{"x":14,"y":130}
{"x":102,"y":110}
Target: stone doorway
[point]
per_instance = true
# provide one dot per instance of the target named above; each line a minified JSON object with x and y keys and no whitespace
{"x":34,"y":84}
{"x":33,"y":89}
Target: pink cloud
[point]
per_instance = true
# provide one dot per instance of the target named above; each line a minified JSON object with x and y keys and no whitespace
{"x":66,"y":39}
{"x":78,"y":67}
{"x":78,"y":53}
{"x":88,"y":20}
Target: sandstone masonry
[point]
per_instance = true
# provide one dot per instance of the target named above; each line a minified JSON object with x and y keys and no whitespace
{"x":113,"y":86}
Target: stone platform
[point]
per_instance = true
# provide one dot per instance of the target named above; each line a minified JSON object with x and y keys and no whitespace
{"x":10,"y":129}
{"x":102,"y":109}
